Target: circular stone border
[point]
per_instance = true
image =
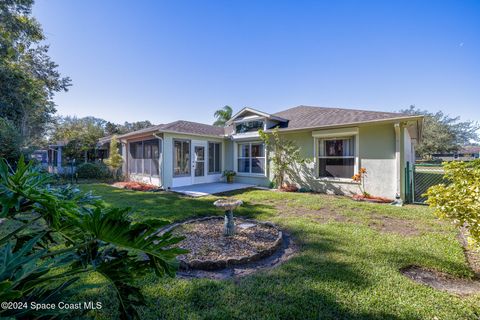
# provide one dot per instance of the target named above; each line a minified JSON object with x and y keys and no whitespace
{"x":210,"y":265}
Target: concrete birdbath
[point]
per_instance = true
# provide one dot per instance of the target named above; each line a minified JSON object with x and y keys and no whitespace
{"x":228,"y":205}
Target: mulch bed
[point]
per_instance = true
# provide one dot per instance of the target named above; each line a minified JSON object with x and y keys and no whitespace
{"x":136,"y":186}
{"x":210,"y":249}
{"x":361,"y":197}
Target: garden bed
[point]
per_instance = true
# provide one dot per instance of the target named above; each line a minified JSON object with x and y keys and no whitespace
{"x":136,"y":186}
{"x":209,"y":249}
{"x":361,"y":197}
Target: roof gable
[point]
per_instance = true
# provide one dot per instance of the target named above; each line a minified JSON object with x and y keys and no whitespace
{"x":250,"y":112}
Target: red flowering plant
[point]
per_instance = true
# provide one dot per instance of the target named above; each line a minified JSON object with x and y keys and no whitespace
{"x":360,"y":177}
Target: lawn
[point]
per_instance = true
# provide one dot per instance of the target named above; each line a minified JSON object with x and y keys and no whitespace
{"x":347,"y":267}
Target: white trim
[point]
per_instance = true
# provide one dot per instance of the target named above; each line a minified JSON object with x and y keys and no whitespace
{"x":260,"y":113}
{"x":236,"y":158}
{"x":334,"y":133}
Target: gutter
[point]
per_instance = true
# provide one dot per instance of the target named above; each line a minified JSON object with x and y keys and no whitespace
{"x":388,"y":120}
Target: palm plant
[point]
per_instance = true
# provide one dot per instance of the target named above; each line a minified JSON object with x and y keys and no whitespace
{"x":222,"y":116}
{"x":55,"y":234}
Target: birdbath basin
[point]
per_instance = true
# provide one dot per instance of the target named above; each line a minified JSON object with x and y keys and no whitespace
{"x":228,"y":205}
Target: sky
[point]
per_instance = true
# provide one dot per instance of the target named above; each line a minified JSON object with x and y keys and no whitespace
{"x":181,"y":60}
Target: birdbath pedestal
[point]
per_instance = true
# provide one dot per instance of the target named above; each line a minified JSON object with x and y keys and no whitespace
{"x":228,"y":205}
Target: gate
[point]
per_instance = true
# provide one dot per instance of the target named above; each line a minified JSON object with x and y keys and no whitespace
{"x":422,"y":177}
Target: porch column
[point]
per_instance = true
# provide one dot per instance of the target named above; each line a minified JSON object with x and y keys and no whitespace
{"x":59,"y":159}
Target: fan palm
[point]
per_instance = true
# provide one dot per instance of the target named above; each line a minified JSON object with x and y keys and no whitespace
{"x":222,"y":116}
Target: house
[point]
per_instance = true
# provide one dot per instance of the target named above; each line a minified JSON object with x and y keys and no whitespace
{"x":466,"y":153}
{"x":338,"y":141}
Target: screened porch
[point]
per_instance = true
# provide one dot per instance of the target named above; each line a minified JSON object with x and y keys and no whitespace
{"x":144,"y":158}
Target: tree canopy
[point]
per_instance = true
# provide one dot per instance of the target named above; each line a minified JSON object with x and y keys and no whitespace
{"x":222,"y":116}
{"x":442,"y":133}
{"x":29,"y":78}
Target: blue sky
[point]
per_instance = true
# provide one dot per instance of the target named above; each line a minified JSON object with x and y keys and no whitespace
{"x":168,"y":60}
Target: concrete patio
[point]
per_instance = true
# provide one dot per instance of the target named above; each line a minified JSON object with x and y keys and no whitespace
{"x":205,"y":189}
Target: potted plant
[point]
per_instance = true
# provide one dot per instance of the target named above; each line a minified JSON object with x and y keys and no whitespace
{"x":229,"y":174}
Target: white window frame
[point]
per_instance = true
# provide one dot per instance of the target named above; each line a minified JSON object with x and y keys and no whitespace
{"x":237,"y":157}
{"x":336,"y":134}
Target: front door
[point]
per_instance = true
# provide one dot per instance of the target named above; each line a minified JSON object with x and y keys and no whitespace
{"x":199,"y":164}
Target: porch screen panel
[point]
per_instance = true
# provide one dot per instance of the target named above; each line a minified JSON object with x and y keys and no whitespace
{"x":131,"y":158}
{"x":155,"y":159}
{"x":144,"y":158}
{"x":181,"y":157}
{"x":214,"y":164}
{"x":139,"y":157}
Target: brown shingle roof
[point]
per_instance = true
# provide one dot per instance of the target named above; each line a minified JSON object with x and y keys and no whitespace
{"x":189,"y":127}
{"x":311,"y":117}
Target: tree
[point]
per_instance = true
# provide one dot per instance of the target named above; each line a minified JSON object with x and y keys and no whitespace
{"x":126,"y":127}
{"x":28,"y":77}
{"x":443,"y":134}
{"x":56,"y":234}
{"x":222,"y":115}
{"x":459,"y":200}
{"x":284,"y":154}
{"x":80,"y":134}
{"x":10,"y":141}
{"x":114,"y":160}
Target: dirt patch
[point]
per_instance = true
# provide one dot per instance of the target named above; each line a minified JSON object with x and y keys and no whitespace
{"x":442,"y":281}
{"x":387,"y":224}
{"x":209,"y":249}
{"x":322,"y":215}
{"x":472,"y":255}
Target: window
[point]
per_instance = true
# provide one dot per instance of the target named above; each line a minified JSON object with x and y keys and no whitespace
{"x":336,"y":157}
{"x":214,"y":156}
{"x":144,"y":157}
{"x":251,"y":158}
{"x":181,"y":157}
{"x":249,"y":126}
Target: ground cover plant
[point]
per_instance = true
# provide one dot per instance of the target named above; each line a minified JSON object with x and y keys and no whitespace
{"x":347,"y":266}
{"x":51,"y":237}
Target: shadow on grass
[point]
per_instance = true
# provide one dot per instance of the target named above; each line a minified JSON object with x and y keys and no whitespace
{"x":302,"y":288}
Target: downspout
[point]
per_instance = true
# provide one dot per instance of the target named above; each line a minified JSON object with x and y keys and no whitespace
{"x":398,"y":175}
{"x":161,"y":160}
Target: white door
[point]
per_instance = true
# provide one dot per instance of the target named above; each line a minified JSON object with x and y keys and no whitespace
{"x":199,"y":163}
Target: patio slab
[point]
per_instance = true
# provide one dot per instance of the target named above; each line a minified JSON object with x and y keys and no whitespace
{"x":205,"y":189}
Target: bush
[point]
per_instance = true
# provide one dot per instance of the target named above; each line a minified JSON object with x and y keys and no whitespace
{"x":93,"y":171}
{"x":10,"y":141}
{"x":55,"y":235}
{"x":459,"y":200}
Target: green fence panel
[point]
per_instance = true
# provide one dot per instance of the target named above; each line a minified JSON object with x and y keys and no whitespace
{"x":424,"y":177}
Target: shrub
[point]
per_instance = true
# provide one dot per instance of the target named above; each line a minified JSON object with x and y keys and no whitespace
{"x":90,"y":170}
{"x":58,"y":234}
{"x":460,"y":199}
{"x":115,"y":160}
{"x":10,"y":141}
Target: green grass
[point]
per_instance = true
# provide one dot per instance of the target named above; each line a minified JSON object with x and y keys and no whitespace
{"x":344,"y":270}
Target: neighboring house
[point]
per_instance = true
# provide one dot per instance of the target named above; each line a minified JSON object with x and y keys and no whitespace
{"x":338,"y":141}
{"x":467,"y":153}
